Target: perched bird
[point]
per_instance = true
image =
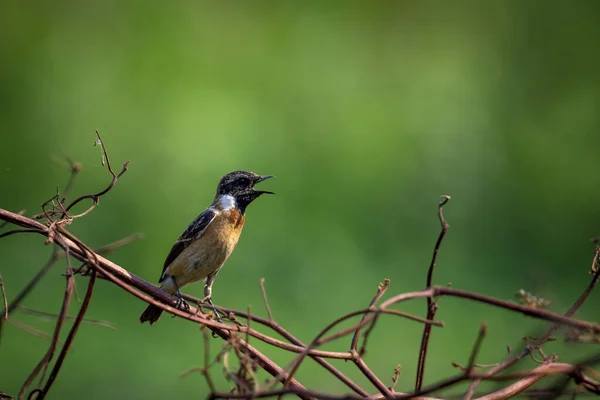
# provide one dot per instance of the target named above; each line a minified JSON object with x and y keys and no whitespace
{"x":208,"y":241}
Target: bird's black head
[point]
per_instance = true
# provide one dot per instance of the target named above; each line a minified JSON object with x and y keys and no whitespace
{"x":239,"y":187}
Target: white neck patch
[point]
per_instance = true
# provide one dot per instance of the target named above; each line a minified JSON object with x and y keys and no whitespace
{"x":227,"y":202}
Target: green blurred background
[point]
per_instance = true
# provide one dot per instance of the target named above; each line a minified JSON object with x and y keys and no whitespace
{"x":367,"y":112}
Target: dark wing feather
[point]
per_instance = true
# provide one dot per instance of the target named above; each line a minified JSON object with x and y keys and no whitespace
{"x":193,"y":232}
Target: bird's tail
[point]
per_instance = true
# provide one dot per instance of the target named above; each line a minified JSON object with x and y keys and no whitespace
{"x":151,"y":314}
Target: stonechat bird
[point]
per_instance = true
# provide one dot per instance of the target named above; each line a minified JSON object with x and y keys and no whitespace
{"x":203,"y":248}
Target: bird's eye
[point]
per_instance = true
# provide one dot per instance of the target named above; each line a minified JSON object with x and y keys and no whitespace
{"x":244,"y":182}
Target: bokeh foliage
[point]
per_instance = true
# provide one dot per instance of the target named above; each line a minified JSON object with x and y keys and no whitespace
{"x":365,"y":111}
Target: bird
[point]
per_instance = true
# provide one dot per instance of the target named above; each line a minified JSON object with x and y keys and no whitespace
{"x":208,"y":241}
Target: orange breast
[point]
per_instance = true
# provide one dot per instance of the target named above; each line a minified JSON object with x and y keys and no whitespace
{"x":225,"y":229}
{"x":208,"y":253}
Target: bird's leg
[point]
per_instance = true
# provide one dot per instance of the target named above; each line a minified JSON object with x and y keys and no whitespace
{"x":208,"y":294}
{"x":180,"y":303}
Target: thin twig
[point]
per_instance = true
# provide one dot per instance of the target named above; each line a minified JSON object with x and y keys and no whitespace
{"x":75,"y":168}
{"x":370,"y":375}
{"x":50,"y":353}
{"x":548,"y":333}
{"x":321,"y":339}
{"x":20,"y":230}
{"x":476,"y":348}
{"x":70,"y":337}
{"x":4,"y":298}
{"x":396,"y":377}
{"x":293,"y":340}
{"x":53,"y":316}
{"x":30,"y":285}
{"x":266,"y":301}
{"x":115,"y":177}
{"x":205,"y":370}
{"x":431,"y":306}
{"x":31,"y":330}
{"x":250,"y":358}
{"x":380,"y":292}
{"x":437,"y":291}
{"x":130,"y":282}
{"x":109,"y":248}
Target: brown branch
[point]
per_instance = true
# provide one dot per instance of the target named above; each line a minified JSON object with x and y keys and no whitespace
{"x":31,"y":330}
{"x":59,"y":323}
{"x":70,"y":337}
{"x":56,"y":255}
{"x":205,"y":370}
{"x":4,"y":298}
{"x":366,"y":371}
{"x":531,"y":378}
{"x":53,"y":316}
{"x":96,"y":196}
{"x":548,"y":333}
{"x":397,"y":372}
{"x":4,"y":396}
{"x":265,"y":300}
{"x":476,"y":348}
{"x":23,"y":230}
{"x":109,"y":248}
{"x":75,"y":168}
{"x":153,"y":295}
{"x":30,"y":285}
{"x":4,"y":223}
{"x":130,"y":282}
{"x":292,"y":339}
{"x":237,"y":335}
{"x":320,"y":339}
{"x":380,"y":292}
{"x":431,"y":306}
{"x":437,"y":291}
{"x":467,"y":373}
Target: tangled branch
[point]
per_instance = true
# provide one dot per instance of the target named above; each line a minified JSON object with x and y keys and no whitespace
{"x":243,"y":326}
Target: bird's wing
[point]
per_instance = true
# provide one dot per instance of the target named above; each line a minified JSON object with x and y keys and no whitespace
{"x":192,"y":233}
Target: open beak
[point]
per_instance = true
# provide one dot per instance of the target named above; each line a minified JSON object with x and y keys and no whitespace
{"x":263,"y":178}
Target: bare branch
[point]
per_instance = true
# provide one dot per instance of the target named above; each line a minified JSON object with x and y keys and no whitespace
{"x":50,"y":353}
{"x":292,"y":339}
{"x":22,"y":230}
{"x":242,"y":325}
{"x":431,"y":306}
{"x":266,"y":301}
{"x":70,"y":337}
{"x":31,"y":330}
{"x":53,"y":317}
{"x":4,"y":298}
{"x":205,"y":369}
{"x":546,"y":335}
{"x":380,"y":292}
{"x":17,"y":300}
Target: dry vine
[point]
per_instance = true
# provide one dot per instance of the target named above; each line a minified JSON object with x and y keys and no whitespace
{"x":57,"y":215}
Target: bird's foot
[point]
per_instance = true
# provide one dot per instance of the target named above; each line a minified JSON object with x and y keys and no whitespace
{"x":206,"y":299}
{"x":180,"y":304}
